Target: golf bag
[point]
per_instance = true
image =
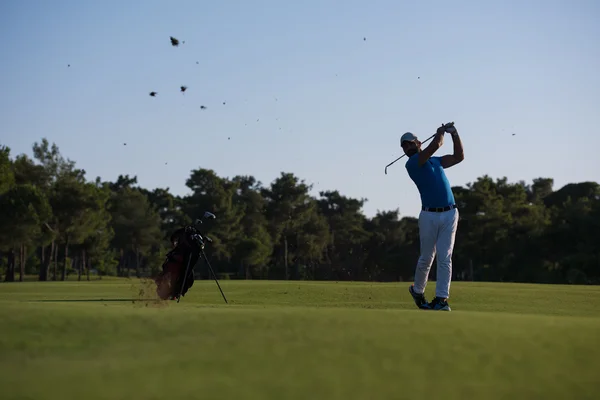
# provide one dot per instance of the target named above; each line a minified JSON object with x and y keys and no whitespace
{"x":187,"y":246}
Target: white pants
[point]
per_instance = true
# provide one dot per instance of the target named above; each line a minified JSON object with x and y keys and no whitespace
{"x":437,"y":231}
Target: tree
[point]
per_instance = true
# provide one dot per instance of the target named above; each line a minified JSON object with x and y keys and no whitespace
{"x":136,"y":227}
{"x":24,"y":210}
{"x":311,"y":241}
{"x":215,"y":194}
{"x":169,"y":208}
{"x":78,"y":211}
{"x":51,"y":174}
{"x":346,"y":232}
{"x":540,"y":189}
{"x":54,"y":163}
{"x":571,"y":241}
{"x":288,"y":208}
{"x":508,"y":231}
{"x":255,"y":246}
{"x":392,"y":248}
{"x":7,"y":178}
{"x":27,"y":172}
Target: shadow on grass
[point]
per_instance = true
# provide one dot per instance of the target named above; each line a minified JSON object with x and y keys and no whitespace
{"x":87,"y":300}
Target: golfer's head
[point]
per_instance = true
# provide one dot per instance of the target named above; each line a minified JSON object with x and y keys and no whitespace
{"x":410,"y":144}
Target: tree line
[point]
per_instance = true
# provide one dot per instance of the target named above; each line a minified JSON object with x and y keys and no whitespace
{"x":54,"y":222}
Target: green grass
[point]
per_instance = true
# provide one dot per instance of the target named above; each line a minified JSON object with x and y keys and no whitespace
{"x":298,"y":340}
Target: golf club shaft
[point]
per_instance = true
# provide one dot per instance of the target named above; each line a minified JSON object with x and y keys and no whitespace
{"x":425,"y":141}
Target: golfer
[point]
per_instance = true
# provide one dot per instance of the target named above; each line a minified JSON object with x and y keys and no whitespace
{"x":438,"y":219}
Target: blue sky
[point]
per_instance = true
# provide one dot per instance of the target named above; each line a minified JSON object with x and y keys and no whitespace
{"x":304,"y":92}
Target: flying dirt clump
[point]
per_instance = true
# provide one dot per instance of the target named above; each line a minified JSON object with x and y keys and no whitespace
{"x":144,"y":294}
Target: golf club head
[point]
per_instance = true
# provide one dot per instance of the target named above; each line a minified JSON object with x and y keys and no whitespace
{"x":208,"y":214}
{"x":198,"y":221}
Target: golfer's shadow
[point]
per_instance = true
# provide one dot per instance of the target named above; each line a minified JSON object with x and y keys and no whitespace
{"x":89,"y":300}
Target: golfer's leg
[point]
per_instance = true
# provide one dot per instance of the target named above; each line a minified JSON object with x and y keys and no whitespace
{"x":428,"y":235}
{"x":445,"y":248}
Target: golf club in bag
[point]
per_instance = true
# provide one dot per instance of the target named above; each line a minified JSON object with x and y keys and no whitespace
{"x":446,"y":127}
{"x":188,"y":244}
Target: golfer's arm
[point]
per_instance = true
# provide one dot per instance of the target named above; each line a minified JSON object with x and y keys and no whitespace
{"x":452,"y":159}
{"x":435,"y":144}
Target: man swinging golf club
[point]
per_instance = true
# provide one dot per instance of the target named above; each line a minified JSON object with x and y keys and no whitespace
{"x":438,"y":219}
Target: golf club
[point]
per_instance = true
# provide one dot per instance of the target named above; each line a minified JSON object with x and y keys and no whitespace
{"x":446,"y":126}
{"x":207,"y":214}
{"x":210,"y":215}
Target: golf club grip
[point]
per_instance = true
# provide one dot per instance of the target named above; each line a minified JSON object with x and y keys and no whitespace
{"x":425,"y":141}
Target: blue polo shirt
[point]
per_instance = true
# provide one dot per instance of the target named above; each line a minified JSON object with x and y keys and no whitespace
{"x":431,"y":181}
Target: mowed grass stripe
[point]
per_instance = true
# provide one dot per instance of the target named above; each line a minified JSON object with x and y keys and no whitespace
{"x":272,"y":345}
{"x":465,"y":296}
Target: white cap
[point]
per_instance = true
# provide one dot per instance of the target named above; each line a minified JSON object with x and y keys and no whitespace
{"x":407,"y":137}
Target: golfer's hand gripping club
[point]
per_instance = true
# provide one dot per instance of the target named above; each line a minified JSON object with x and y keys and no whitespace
{"x":448,"y":128}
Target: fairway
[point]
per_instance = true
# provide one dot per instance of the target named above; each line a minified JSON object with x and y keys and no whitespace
{"x":297,"y":340}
